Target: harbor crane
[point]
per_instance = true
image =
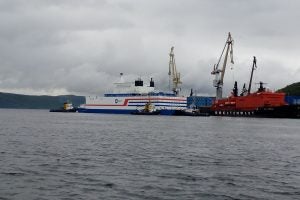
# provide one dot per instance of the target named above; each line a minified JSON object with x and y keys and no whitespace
{"x":254,"y":66}
{"x":174,"y":76}
{"x":219,"y":73}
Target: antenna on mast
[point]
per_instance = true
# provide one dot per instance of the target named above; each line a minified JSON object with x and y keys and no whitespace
{"x":121,"y":77}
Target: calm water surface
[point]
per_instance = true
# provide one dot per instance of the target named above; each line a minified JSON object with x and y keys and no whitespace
{"x":93,"y":156}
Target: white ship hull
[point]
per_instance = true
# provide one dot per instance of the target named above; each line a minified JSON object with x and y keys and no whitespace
{"x":126,"y":105}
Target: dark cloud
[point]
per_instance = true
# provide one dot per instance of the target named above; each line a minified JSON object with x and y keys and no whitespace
{"x":61,"y":46}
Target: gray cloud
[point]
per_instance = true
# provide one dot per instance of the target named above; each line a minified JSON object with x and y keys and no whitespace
{"x":60,"y":46}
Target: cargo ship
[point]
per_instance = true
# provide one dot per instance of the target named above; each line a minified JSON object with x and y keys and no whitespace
{"x":261,"y":103}
{"x":128,"y":97}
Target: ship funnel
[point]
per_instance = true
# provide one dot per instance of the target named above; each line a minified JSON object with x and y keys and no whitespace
{"x":139,"y":82}
{"x":151,"y":82}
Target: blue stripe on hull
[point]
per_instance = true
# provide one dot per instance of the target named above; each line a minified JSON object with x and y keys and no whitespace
{"x":167,"y":112}
{"x":119,"y":111}
{"x":140,"y":105}
{"x":158,"y":102}
{"x":107,"y":111}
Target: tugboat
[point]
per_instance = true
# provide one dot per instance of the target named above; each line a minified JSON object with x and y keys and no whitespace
{"x":192,"y":112}
{"x":68,"y":107}
{"x":149,"y":109}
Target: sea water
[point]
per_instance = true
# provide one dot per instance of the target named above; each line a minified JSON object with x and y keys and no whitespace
{"x":47,"y":155}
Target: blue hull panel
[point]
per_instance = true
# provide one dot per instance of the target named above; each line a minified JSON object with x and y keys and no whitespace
{"x":107,"y":111}
{"x":167,"y":112}
{"x":119,"y":111}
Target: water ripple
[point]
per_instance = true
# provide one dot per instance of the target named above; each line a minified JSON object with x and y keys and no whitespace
{"x":82,"y":156}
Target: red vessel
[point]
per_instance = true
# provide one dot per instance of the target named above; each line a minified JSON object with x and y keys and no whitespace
{"x":250,"y":103}
{"x":262,"y":103}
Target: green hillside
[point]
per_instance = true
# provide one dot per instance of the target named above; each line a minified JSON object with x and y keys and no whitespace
{"x":8,"y":100}
{"x":291,"y":90}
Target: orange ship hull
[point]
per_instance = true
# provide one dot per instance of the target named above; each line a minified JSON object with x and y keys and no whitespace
{"x":250,"y":102}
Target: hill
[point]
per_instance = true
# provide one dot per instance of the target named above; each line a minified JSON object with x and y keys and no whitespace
{"x":291,"y":90}
{"x":8,"y":100}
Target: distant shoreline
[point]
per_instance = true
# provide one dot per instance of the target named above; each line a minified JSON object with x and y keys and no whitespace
{"x":20,"y":101}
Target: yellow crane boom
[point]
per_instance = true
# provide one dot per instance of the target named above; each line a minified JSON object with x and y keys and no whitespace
{"x":174,"y":76}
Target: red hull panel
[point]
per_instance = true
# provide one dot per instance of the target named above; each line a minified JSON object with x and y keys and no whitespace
{"x":250,"y":102}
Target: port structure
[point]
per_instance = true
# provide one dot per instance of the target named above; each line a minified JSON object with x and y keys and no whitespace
{"x":254,"y":67}
{"x":219,"y":73}
{"x":174,"y":76}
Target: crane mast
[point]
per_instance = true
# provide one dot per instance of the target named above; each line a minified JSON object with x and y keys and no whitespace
{"x":174,"y":76}
{"x":253,"y":68}
{"x":219,"y":73}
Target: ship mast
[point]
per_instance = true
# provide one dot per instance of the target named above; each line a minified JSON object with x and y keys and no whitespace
{"x":253,"y":68}
{"x":219,"y":73}
{"x":174,"y":76}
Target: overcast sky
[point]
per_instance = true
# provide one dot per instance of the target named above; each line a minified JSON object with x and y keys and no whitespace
{"x":80,"y":47}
